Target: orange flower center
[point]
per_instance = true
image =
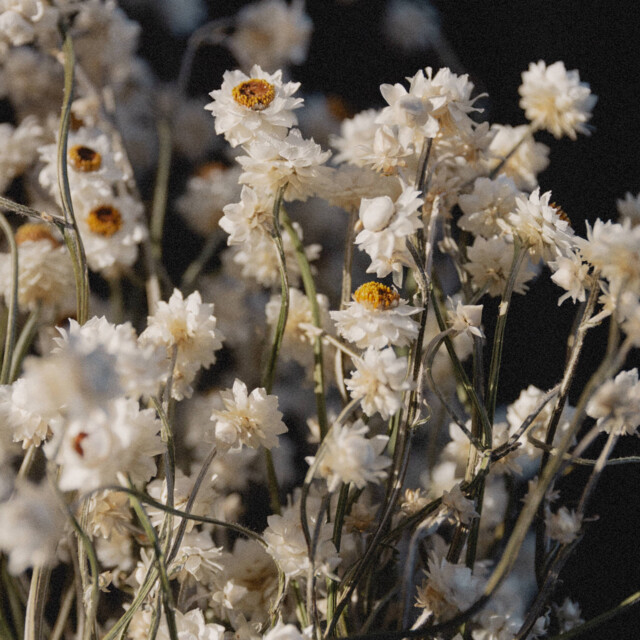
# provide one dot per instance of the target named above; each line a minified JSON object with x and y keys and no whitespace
{"x":210,"y":169}
{"x":84,"y":159}
{"x":104,"y":220}
{"x":34,"y":232}
{"x":561,"y":213}
{"x":376,"y":295}
{"x":77,"y":443}
{"x":255,"y":94}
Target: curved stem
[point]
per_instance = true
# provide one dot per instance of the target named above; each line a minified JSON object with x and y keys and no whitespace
{"x":12,"y":307}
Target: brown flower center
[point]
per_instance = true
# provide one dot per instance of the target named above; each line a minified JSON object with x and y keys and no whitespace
{"x":77,"y":443}
{"x":34,"y":232}
{"x":255,"y":94}
{"x":376,"y":295}
{"x":561,"y":213}
{"x":104,"y":220}
{"x":84,"y":159}
{"x":210,"y":169}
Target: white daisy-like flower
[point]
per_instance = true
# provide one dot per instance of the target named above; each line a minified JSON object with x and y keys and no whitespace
{"x":140,"y":368}
{"x":208,"y":193}
{"x":272,"y":33}
{"x":541,"y":227}
{"x":299,"y":331}
{"x":350,"y":457}
{"x":356,"y":137}
{"x":554,"y":99}
{"x":526,"y":162}
{"x":94,"y":449}
{"x":91,"y":159}
{"x":198,"y":557}
{"x":379,"y":382}
{"x":466,"y":318}
{"x":564,"y":525}
{"x":386,"y":225}
{"x":192,"y":626}
{"x":272,"y":163}
{"x":287,"y":545}
{"x":377,"y":317}
{"x":629,"y":208}
{"x":188,"y":326}
{"x":571,"y":274}
{"x":490,"y":266}
{"x":111,"y":227}
{"x":616,"y":404}
{"x":448,"y":588}
{"x":250,"y":419}
{"x":489,"y":201}
{"x":457,"y":506}
{"x":248,"y":217}
{"x":45,"y":271}
{"x":31,"y":525}
{"x":260,"y":102}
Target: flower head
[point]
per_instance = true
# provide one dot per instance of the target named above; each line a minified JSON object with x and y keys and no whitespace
{"x":616,"y":404}
{"x":554,"y":99}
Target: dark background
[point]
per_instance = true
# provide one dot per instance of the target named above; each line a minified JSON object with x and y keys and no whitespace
{"x":495,"y":41}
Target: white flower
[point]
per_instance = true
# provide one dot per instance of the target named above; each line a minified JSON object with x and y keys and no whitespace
{"x":350,"y":457}
{"x":271,"y":33}
{"x":284,"y":632}
{"x":192,"y":626}
{"x":379,"y":381}
{"x":571,"y":274}
{"x":466,"y":318}
{"x":554,"y":99}
{"x":356,"y":137}
{"x":272,"y":163}
{"x":540,"y":226}
{"x":629,"y":208}
{"x":208,"y":193}
{"x":111,"y":227}
{"x":287,"y":545}
{"x":489,"y":201}
{"x":140,"y":368}
{"x":455,"y":503}
{"x":31,"y":525}
{"x":386,"y":225}
{"x":564,"y":525}
{"x":258,"y":103}
{"x":248,"y":217}
{"x":93,"y":450}
{"x":377,"y":317}
{"x":19,"y":145}
{"x":197,"y":557}
{"x":250,"y":419}
{"x":432,"y":104}
{"x":490,"y":266}
{"x":17,"y":414}
{"x":45,"y":271}
{"x":616,"y":404}
{"x":448,"y":588}
{"x":188,"y":326}
{"x":569,"y":615}
{"x":526,"y":162}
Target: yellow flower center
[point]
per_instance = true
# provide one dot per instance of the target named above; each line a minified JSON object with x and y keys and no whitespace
{"x":255,"y":94}
{"x":376,"y":295}
{"x":33,"y":232}
{"x":104,"y":220}
{"x":84,"y":159}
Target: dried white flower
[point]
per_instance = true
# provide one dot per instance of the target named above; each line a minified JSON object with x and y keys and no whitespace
{"x":616,"y":404}
{"x":564,"y":525}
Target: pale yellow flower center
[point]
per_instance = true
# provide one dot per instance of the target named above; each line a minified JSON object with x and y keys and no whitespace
{"x":84,"y":159}
{"x":255,"y":94}
{"x":105,"y":220}
{"x":33,"y":232}
{"x":376,"y":295}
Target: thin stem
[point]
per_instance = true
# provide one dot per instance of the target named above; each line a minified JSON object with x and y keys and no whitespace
{"x":23,"y":343}
{"x":12,"y":307}
{"x":41,"y":216}
{"x":160,"y":189}
{"x":194,"y":270}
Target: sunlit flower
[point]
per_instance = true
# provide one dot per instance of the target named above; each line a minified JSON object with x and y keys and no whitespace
{"x":554,"y":99}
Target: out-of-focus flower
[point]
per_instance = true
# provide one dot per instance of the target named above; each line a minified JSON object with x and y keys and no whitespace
{"x":554,"y":99}
{"x":192,"y":626}
{"x":616,"y":404}
{"x":412,"y":26}
{"x":18,"y":148}
{"x":569,"y":615}
{"x":629,"y":209}
{"x":31,"y":525}
{"x":259,"y":103}
{"x":271,"y":33}
{"x":251,"y":419}
{"x":377,"y":317}
{"x":564,"y":525}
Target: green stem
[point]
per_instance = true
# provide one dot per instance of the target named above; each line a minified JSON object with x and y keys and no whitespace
{"x":160,"y":189}
{"x":23,"y":343}
{"x":41,"y":216}
{"x":12,"y":307}
{"x":192,"y":272}
{"x":310,"y":291}
{"x":34,"y":618}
